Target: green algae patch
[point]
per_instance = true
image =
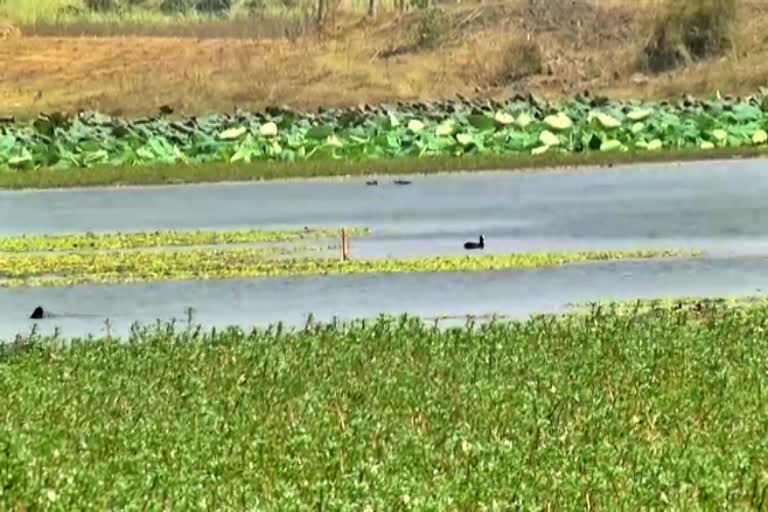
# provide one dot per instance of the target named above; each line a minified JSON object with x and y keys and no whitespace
{"x":138,"y":240}
{"x":125,"y":267}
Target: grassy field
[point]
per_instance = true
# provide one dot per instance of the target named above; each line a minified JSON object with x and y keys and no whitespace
{"x":599,"y":412}
{"x":202,"y":65}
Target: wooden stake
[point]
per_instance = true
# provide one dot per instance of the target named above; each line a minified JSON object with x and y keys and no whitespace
{"x":344,"y":245}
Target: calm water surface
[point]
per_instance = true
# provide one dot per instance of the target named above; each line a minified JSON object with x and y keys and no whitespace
{"x":719,"y":207}
{"x":264,"y":301}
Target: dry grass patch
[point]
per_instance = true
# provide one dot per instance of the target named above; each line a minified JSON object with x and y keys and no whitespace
{"x":8,"y":30}
{"x":497,"y":62}
{"x":554,"y":48}
{"x":690,"y":30}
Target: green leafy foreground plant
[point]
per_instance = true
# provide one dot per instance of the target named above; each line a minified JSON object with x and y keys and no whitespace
{"x":123,"y":267}
{"x":619,"y":412}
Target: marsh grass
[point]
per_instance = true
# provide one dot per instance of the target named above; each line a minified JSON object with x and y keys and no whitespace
{"x":67,"y":269}
{"x":265,"y":170}
{"x":609,"y":410}
{"x":704,"y":306}
{"x":160,"y":239}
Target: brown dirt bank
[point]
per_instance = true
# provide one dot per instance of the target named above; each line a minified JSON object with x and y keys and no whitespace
{"x":552,"y":47}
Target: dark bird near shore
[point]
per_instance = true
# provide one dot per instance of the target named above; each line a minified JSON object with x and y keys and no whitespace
{"x":401,"y":182}
{"x":475,"y":245}
{"x":38,"y":313}
{"x":372,"y":182}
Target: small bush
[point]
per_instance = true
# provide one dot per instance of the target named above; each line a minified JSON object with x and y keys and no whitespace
{"x":432,"y":29}
{"x":109,"y":6}
{"x":214,"y":7}
{"x":8,"y":31}
{"x":491,"y":63}
{"x":689,"y":30}
{"x":102,"y":5}
{"x":176,"y":6}
{"x":520,"y":58}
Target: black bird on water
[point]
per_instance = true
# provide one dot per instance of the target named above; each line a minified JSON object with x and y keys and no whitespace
{"x":475,"y":245}
{"x":38,"y":313}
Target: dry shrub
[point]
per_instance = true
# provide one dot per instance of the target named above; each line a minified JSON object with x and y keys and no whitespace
{"x":491,"y":63}
{"x":689,"y":30}
{"x":8,"y":30}
{"x":521,"y":58}
{"x":432,"y":30}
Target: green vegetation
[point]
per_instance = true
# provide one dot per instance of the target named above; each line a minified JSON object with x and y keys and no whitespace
{"x":605,"y":411}
{"x":64,"y":260}
{"x":267,"y":170}
{"x":144,"y":11}
{"x":702,"y":306}
{"x":132,"y":266}
{"x":518,"y":126}
{"x":138,"y":240}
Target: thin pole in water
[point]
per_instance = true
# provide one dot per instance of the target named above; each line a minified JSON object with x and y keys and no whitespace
{"x":344,"y":244}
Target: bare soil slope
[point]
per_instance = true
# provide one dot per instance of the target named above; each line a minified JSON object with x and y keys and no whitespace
{"x":552,"y":47}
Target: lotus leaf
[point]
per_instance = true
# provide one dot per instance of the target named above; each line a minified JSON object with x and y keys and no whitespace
{"x":20,"y":161}
{"x":559,"y":121}
{"x":504,"y":118}
{"x":513,"y":126}
{"x":464,"y":139}
{"x":638,"y":128}
{"x":523,"y":120}
{"x":605,"y":120}
{"x":445,"y":128}
{"x":639,"y":114}
{"x":233,"y":133}
{"x":654,"y":145}
{"x":611,"y":145}
{"x":481,"y":122}
{"x":268,"y":129}
{"x":415,"y":125}
{"x":334,"y":141}
{"x":319,"y":132}
{"x":549,"y":139}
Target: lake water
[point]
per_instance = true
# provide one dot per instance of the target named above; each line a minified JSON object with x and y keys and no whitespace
{"x":719,"y":207}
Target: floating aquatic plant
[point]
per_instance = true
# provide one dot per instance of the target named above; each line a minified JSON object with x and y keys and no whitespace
{"x":137,"y":240}
{"x":132,"y":266}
